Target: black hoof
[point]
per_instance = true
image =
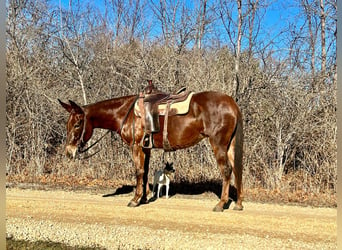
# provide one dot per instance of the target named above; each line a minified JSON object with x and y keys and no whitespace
{"x":144,"y":201}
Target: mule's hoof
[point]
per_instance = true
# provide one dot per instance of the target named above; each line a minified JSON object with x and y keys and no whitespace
{"x":144,"y":201}
{"x":238,"y":207}
{"x":133,"y":204}
{"x":218,"y":209}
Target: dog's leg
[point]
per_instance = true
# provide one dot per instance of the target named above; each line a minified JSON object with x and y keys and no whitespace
{"x":159,"y":186}
{"x":167,"y":190}
{"x":154,"y":186}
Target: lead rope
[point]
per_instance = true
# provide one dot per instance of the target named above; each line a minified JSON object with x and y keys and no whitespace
{"x":92,"y":145}
{"x":164,"y":162}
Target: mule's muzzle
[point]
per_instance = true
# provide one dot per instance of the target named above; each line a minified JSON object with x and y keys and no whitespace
{"x":71,"y":151}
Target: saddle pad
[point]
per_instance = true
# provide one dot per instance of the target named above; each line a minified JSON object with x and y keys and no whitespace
{"x":177,"y":108}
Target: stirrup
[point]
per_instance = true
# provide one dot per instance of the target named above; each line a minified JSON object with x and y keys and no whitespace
{"x":147,"y":141}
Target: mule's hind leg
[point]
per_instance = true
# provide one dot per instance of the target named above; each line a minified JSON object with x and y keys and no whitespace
{"x":221,"y":156}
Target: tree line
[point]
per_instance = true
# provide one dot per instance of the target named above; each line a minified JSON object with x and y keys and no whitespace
{"x":284,"y":80}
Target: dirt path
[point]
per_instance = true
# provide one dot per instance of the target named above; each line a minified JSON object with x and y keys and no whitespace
{"x":187,"y":222}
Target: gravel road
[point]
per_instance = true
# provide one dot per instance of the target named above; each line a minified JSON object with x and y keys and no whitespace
{"x":85,"y":218}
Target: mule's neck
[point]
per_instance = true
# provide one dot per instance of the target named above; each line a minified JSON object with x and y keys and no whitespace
{"x":109,"y":114}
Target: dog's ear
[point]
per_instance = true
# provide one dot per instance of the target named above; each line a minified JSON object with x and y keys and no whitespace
{"x":169,"y":165}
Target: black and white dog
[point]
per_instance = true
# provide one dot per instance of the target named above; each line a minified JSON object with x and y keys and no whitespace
{"x":162,"y":178}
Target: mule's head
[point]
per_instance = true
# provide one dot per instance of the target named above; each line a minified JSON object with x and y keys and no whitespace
{"x":76,"y":128}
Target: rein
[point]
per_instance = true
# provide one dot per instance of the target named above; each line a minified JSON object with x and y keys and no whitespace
{"x":97,"y":141}
{"x":92,"y":145}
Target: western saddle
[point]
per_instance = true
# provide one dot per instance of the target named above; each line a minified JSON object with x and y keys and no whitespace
{"x":150,"y":98}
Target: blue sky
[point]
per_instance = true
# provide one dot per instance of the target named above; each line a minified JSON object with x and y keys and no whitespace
{"x":278,"y":11}
{"x":276,"y":18}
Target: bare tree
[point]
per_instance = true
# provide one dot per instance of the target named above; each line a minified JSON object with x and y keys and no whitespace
{"x":331,"y":35}
{"x":124,"y":18}
{"x":71,"y":37}
{"x":166,"y":12}
{"x":238,"y":47}
{"x":237,"y":26}
{"x":251,"y":26}
{"x":201,"y":23}
{"x":312,"y":29}
{"x":324,"y":53}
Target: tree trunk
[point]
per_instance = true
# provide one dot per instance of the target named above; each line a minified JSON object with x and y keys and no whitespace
{"x":201,"y":23}
{"x":324,"y":53}
{"x":238,"y":49}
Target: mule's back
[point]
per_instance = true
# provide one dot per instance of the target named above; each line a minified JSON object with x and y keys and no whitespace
{"x":214,"y":111}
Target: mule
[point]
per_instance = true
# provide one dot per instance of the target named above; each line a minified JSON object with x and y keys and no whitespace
{"x":212,"y":115}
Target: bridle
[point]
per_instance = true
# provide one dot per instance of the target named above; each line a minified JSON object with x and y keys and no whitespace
{"x":79,"y":145}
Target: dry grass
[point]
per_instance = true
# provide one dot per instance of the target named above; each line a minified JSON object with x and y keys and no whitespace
{"x":50,"y":181}
{"x":289,"y":127}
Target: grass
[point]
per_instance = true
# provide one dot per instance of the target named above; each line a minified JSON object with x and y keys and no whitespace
{"x":42,"y":245}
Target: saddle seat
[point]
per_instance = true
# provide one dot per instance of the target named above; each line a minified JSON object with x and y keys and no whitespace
{"x":160,"y":97}
{"x":179,"y":102}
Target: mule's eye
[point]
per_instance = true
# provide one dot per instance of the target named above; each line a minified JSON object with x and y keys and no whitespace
{"x":77,"y":125}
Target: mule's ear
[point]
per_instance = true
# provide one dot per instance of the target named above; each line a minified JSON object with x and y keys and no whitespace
{"x":76,"y":108}
{"x":66,"y":106}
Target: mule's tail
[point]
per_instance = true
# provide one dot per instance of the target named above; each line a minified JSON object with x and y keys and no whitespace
{"x":238,"y":155}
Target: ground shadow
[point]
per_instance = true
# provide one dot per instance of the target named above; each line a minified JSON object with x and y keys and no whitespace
{"x":198,"y":188}
{"x":188,"y":188}
{"x":125,"y":189}
{"x":184,"y":188}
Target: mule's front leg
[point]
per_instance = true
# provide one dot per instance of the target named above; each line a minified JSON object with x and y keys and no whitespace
{"x":142,"y":189}
{"x":145,"y":185}
{"x":138,"y":158}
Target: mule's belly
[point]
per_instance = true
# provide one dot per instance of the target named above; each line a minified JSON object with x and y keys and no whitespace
{"x":182,"y":132}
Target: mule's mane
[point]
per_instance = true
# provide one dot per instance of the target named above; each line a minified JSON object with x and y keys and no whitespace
{"x":108,"y":114}
{"x":113,"y":102}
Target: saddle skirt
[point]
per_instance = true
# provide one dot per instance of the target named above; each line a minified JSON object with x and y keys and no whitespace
{"x":176,"y":107}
